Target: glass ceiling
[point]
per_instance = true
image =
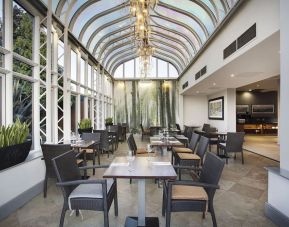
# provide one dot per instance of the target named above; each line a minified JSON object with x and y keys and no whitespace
{"x":179,"y":28}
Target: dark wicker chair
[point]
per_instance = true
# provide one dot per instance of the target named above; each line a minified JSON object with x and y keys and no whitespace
{"x":51,"y":151}
{"x":113,"y":133}
{"x":144,"y":132}
{"x":133,"y":147}
{"x":190,"y":149}
{"x":198,"y":195}
{"x":105,"y":142}
{"x":190,"y":159}
{"x":233,"y":144}
{"x":95,"y":148}
{"x":91,"y":194}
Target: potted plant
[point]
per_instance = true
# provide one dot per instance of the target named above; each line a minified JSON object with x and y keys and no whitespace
{"x":84,"y":126}
{"x":14,"y":146}
{"x":108,"y":121}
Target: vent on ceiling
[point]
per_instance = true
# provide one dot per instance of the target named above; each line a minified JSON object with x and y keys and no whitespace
{"x":201,"y":72}
{"x":185,"y":85}
{"x":243,"y":39}
{"x":247,"y":36}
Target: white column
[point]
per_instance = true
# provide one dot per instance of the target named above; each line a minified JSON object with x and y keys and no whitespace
{"x":78,"y":69}
{"x":86,"y":92}
{"x":66,"y":88}
{"x":36,"y":85}
{"x":49,"y":137}
{"x":231,"y":110}
{"x":8,"y":59}
{"x":54,"y":90}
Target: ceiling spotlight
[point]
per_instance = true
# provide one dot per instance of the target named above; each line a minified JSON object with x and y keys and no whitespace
{"x":214,"y":84}
{"x":250,"y":89}
{"x":258,"y":85}
{"x":197,"y":92}
{"x":232,"y":75}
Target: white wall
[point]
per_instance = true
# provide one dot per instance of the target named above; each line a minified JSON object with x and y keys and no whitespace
{"x":195,"y":110}
{"x":229,"y":122}
{"x":265,"y":13}
{"x":20,"y":178}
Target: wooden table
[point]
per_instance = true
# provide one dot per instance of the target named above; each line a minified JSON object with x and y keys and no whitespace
{"x":163,"y":145}
{"x":143,"y":168}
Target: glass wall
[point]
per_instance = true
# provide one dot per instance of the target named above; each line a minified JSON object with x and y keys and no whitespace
{"x":158,"y":69}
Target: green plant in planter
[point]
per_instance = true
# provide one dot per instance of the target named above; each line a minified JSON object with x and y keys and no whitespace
{"x":16,"y":133}
{"x":108,"y":121}
{"x":84,"y":123}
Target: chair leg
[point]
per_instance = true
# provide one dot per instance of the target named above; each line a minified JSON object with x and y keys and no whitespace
{"x":105,"y":216}
{"x":115,"y":204}
{"x":62,"y":216}
{"x":168,"y":217}
{"x":242,"y":157}
{"x":204,"y":215}
{"x":77,"y":213}
{"x":213,"y":214}
{"x":93,"y":162}
{"x":130,"y":180}
{"x":45,"y":187}
{"x":164,"y":204}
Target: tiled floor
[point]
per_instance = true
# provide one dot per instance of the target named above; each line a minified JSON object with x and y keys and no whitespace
{"x":239,"y":202}
{"x":266,"y":146}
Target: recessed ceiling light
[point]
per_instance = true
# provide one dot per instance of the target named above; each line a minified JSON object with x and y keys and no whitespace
{"x":250,"y":89}
{"x":214,"y":84}
{"x":232,"y":75}
{"x":258,"y":85}
{"x":197,"y":92}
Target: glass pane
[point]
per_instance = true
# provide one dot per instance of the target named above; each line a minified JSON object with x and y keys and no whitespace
{"x":115,"y":53}
{"x":115,"y":59}
{"x":162,"y":68}
{"x":82,"y":71}
{"x":95,"y":79}
{"x":21,"y":67}
{"x":22,"y":101}
{"x":129,"y":69}
{"x":22,"y":31}
{"x":1,"y":23}
{"x":73,"y":69}
{"x":194,"y":9}
{"x":73,"y":87}
{"x":103,"y":20}
{"x":119,"y":72}
{"x":60,"y":62}
{"x":89,"y":12}
{"x":73,"y":124}
{"x":1,"y":97}
{"x":89,"y":84}
{"x":183,"y":19}
{"x":81,"y":107}
{"x":172,"y":71}
{"x":107,"y":30}
{"x":1,"y":60}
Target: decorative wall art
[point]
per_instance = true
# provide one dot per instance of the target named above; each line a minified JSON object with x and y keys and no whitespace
{"x":216,"y":108}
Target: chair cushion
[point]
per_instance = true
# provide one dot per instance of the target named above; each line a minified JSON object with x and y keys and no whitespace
{"x":79,"y":161}
{"x":93,"y":191}
{"x":182,"y":150}
{"x":141,"y":151}
{"x":189,"y":192}
{"x":89,"y":151}
{"x":222,"y":144}
{"x":189,"y":156}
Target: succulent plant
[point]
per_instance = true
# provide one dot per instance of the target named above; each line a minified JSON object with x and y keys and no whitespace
{"x":13,"y":134}
{"x":84,"y":123}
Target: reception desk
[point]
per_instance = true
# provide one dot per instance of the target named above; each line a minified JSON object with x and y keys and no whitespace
{"x":258,"y":128}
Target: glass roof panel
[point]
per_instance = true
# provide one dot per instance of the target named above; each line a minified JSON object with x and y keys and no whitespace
{"x":176,"y":27}
{"x":114,"y":54}
{"x":103,"y":20}
{"x":183,"y":19}
{"x":107,"y":30}
{"x":91,"y":11}
{"x":75,"y":7}
{"x":231,"y":3}
{"x":194,"y":9}
{"x":113,"y":60}
{"x":181,"y":49}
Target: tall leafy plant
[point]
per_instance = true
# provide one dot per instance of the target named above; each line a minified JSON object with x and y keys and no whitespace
{"x":16,"y":133}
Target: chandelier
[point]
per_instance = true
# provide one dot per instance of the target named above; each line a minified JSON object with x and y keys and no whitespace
{"x":140,"y":10}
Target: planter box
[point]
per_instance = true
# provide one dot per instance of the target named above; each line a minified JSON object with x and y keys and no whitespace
{"x":13,"y":155}
{"x":89,"y":130}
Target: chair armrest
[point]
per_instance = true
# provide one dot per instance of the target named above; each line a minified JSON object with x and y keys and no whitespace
{"x":80,"y":153}
{"x":77,"y":182}
{"x":94,"y":167}
{"x":194,"y":183}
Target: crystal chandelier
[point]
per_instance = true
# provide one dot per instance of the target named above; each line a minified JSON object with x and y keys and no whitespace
{"x":140,"y":10}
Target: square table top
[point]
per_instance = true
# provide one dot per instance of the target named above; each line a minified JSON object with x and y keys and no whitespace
{"x":171,"y":141}
{"x":83,"y":143}
{"x":155,"y":167}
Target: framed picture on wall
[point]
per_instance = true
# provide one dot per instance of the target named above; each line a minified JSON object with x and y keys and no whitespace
{"x":262,"y":109}
{"x":216,"y":108}
{"x":242,"y":109}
